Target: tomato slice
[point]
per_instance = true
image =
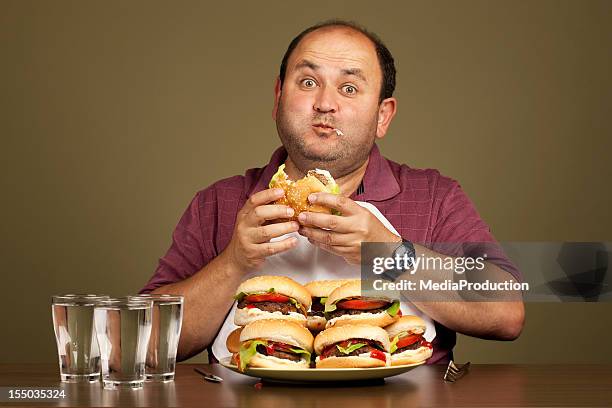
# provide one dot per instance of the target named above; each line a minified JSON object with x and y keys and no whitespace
{"x":378,"y":355}
{"x":358,"y":304}
{"x":267,"y":297}
{"x":408,"y":340}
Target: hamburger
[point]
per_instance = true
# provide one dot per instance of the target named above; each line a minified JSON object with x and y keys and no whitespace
{"x":408,"y":346}
{"x":280,"y":344}
{"x":352,"y":346}
{"x":271,"y":297}
{"x":346,"y":305}
{"x":297,"y":192}
{"x":319,"y":291}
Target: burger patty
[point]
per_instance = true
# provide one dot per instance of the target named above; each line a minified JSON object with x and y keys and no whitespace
{"x":314,"y":313}
{"x":317,"y":306}
{"x":332,"y":351}
{"x":271,"y":307}
{"x":261,"y":349}
{"x":342,"y":312}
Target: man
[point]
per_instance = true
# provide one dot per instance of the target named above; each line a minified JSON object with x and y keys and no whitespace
{"x":335,"y":75}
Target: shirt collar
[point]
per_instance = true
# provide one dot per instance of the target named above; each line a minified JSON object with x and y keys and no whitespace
{"x":379,"y":183}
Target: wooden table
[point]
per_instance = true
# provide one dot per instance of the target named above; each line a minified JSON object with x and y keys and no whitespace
{"x":485,"y":385}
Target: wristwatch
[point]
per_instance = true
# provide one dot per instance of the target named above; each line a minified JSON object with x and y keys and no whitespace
{"x":406,"y":248}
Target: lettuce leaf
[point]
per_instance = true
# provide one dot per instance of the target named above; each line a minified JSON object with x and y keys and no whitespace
{"x":300,"y":351}
{"x":241,"y":295}
{"x":279,"y":176}
{"x":246,"y":354}
{"x":350,"y":348}
{"x":394,"y":308}
{"x":394,"y":344}
{"x":329,"y":307}
{"x":323,"y":300}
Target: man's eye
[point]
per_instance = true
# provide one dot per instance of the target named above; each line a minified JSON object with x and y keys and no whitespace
{"x":349,"y":89}
{"x":309,"y":83}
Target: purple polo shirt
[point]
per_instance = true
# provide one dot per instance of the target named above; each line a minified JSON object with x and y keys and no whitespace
{"x":424,"y":207}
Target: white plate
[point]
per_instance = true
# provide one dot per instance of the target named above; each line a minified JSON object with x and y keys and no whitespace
{"x":322,"y":374}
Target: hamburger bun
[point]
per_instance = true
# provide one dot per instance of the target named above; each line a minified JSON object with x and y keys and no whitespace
{"x":337,"y":334}
{"x":281,"y":284}
{"x":282,"y":331}
{"x":380,"y":319}
{"x":323,"y":288}
{"x":233,"y":341}
{"x":408,"y":323}
{"x":246,"y":315}
{"x":351,"y":288}
{"x":350,"y":362}
{"x":411,"y":356}
{"x":316,"y":323}
{"x":297,"y":192}
{"x":354,"y":331}
{"x":261,"y":361}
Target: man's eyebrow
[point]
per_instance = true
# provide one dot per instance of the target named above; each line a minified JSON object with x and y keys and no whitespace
{"x":346,"y":71}
{"x":355,"y":72}
{"x":307,"y":64}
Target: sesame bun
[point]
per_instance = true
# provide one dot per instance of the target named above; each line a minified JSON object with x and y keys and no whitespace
{"x":281,"y":284}
{"x":297,"y":192}
{"x":408,"y":323}
{"x":411,"y":356}
{"x":338,"y":334}
{"x":233,"y":341}
{"x":246,"y":315}
{"x":380,"y":319}
{"x":323,"y":288}
{"x":281,"y":331}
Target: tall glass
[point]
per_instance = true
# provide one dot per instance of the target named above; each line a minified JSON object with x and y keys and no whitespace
{"x":123,"y":328}
{"x":77,"y":347}
{"x":165,"y":334}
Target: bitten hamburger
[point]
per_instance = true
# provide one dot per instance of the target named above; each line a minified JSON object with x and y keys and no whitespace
{"x":352,"y":346}
{"x":408,"y":346}
{"x":271,"y":297}
{"x":346,"y":305}
{"x":280,"y":344}
{"x":297,"y":192}
{"x":320,"y":290}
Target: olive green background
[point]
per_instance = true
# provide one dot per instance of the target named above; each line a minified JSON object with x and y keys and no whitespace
{"x":114,"y":113}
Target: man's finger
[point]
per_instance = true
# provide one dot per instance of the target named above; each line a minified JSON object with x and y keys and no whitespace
{"x":264,"y":197}
{"x":263,"y":213}
{"x":276,"y":247}
{"x":266,"y":232}
{"x":326,"y":237}
{"x":345,"y":205}
{"x":327,"y":221}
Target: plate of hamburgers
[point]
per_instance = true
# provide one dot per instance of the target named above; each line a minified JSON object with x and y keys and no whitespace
{"x":284,"y":350}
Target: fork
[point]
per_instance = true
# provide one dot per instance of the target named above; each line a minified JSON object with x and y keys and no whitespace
{"x":453,"y":373}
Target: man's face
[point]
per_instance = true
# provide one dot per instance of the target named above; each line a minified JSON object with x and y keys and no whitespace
{"x":333,"y":80}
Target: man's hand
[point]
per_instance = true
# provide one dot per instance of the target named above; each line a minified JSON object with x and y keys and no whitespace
{"x":343,"y":234}
{"x":250,"y":243}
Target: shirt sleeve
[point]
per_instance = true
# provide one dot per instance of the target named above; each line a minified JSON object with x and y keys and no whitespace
{"x":460,"y":231}
{"x":192,"y":244}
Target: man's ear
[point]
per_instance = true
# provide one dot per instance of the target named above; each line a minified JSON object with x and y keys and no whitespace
{"x":277,"y":95}
{"x":386,"y":112}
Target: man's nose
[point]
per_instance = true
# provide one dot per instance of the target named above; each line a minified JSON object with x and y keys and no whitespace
{"x":325,"y":100}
